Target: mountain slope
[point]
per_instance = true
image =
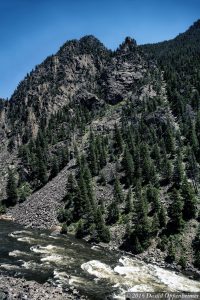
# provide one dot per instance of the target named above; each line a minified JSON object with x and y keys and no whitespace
{"x":134,"y":176}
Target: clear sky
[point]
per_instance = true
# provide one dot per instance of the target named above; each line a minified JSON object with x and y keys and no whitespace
{"x":30,"y":30}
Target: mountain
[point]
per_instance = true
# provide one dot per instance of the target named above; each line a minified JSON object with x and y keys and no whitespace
{"x":106,"y":143}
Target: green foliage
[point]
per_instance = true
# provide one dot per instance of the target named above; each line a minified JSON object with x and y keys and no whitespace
{"x":80,"y":232}
{"x":129,"y":202}
{"x":2,"y":209}
{"x":163,"y":242}
{"x":176,"y":211}
{"x":118,"y":193}
{"x":171,"y":253}
{"x":196,"y":247}
{"x":128,"y":166}
{"x":182,"y":261}
{"x":24,"y":191}
{"x":113,"y":213}
{"x":197,"y":259}
{"x":64,"y":229}
{"x":11,"y":189}
{"x":102,"y":229}
{"x":190,"y":202}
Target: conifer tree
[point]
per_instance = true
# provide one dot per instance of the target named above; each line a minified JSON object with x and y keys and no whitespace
{"x":137,"y":248}
{"x":167,"y":170}
{"x":129,"y":202}
{"x":42,"y":172}
{"x":190,"y":203}
{"x":118,"y":193}
{"x":169,"y":140}
{"x":171,"y":253}
{"x":118,"y":139}
{"x":113,"y":212}
{"x":11,"y":189}
{"x":89,"y":186}
{"x":193,"y":169}
{"x":80,"y":232}
{"x":102,"y":229}
{"x":155,"y":224}
{"x":55,"y":167}
{"x":178,"y":174}
{"x":176,"y":209}
{"x":128,"y":166}
{"x":153,"y":196}
{"x":92,"y":157}
{"x":162,"y":217}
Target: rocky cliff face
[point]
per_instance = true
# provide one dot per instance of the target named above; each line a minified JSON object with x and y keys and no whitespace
{"x":82,"y":71}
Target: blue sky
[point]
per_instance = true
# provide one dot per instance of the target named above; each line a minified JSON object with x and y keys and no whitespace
{"x":30,"y":30}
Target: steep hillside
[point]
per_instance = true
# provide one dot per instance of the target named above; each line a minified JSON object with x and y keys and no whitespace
{"x":92,"y":141}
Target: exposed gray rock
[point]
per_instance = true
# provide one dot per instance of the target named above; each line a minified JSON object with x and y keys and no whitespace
{"x":18,"y":288}
{"x":40,"y":209}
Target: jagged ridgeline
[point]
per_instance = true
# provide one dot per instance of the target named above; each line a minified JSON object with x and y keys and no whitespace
{"x":107,"y":143}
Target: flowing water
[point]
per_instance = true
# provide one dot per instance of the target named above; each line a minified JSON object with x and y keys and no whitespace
{"x":97,"y":273}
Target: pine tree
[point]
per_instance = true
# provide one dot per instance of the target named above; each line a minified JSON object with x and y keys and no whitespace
{"x":89,"y":186}
{"x":176,"y":209}
{"x":129,"y":202}
{"x":118,"y":193}
{"x":92,"y":157}
{"x":86,"y":209}
{"x":153,"y":197}
{"x":171,"y":253}
{"x":167,"y":170}
{"x":193,"y":169}
{"x":64,"y":157}
{"x":142,"y":226}
{"x":55,"y":167}
{"x":113,"y":213}
{"x":194,"y":140}
{"x":128,"y":166}
{"x":137,"y":248}
{"x":102,"y":229}
{"x":190,"y":203}
{"x":169,"y":140}
{"x":42,"y":172}
{"x":178,"y":171}
{"x":162,"y":217}
{"x":182,"y":261}
{"x":11,"y":189}
{"x":80,"y":232}
{"x":71,"y":184}
{"x":155,"y":224}
{"x":118,"y":139}
{"x":147,"y":168}
{"x":24,"y":191}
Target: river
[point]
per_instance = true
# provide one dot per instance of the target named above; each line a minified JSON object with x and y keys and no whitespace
{"x":97,"y":273}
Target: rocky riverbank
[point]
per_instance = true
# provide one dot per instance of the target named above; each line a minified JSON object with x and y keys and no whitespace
{"x":12,"y":288}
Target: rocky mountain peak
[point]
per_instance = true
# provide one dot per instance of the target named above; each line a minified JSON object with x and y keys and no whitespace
{"x":128,"y":45}
{"x":88,"y":44}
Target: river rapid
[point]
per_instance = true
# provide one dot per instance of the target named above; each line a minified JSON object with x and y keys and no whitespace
{"x":97,"y":273}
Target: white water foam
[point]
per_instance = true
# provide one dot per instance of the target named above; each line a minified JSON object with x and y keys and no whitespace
{"x":17,"y":253}
{"x":176,"y":282}
{"x":30,"y":265}
{"x":96,"y":248}
{"x":9,"y":267}
{"x":98,"y":269}
{"x":18,"y":233}
{"x":55,"y":258}
{"x":137,"y":276}
{"x":47,"y":249}
{"x":27,"y":239}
